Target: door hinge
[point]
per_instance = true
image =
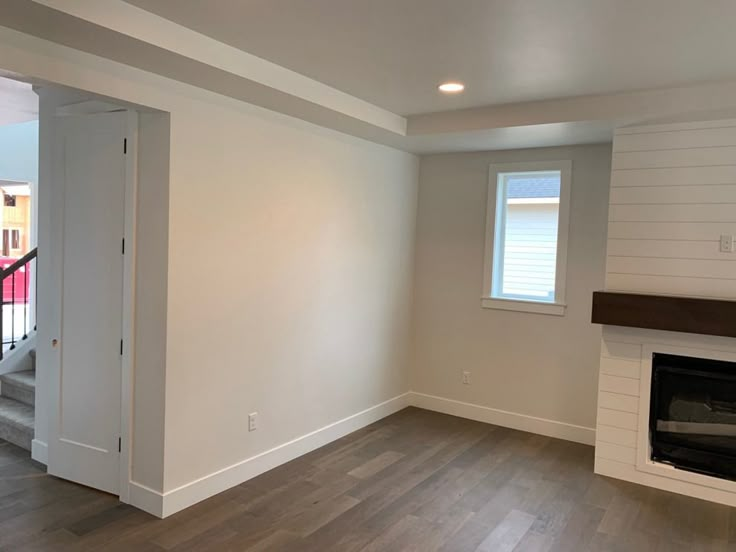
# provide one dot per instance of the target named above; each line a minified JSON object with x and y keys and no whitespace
{"x":125,"y":145}
{"x":120,"y":444}
{"x":121,"y":347}
{"x":123,"y":248}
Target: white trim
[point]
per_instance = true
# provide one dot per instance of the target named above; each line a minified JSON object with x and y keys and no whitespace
{"x":533,"y":201}
{"x":644,"y":462}
{"x":146,"y":499}
{"x":128,"y":356}
{"x":86,"y":107}
{"x":40,"y":452}
{"x":182,"y":497}
{"x":168,"y":35}
{"x":627,"y":472}
{"x":514,"y":420}
{"x":495,"y":214}
{"x":168,"y":503}
{"x":538,"y":307}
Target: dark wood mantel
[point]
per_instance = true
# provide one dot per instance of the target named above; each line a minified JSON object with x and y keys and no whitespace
{"x":661,"y":312}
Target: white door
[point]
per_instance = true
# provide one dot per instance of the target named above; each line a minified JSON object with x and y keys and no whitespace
{"x":89,"y":180}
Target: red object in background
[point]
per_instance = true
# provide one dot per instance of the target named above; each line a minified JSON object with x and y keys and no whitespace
{"x":22,"y":283}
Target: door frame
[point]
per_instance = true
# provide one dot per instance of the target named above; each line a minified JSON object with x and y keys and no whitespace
{"x":128,"y":324}
{"x":56,"y":256}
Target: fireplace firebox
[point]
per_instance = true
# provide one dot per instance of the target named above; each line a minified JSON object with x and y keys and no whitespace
{"x":692,"y":420}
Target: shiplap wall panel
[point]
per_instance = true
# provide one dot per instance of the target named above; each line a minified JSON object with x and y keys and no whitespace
{"x":672,"y":285}
{"x":670,"y":158}
{"x":621,"y":368}
{"x":665,"y":212}
{"x":674,"y":127}
{"x":615,"y":401}
{"x":691,"y":231}
{"x":617,"y":418}
{"x":617,"y":436}
{"x":619,"y":453}
{"x":617,"y":384}
{"x":673,"y":195}
{"x":680,"y":176}
{"x":685,"y":194}
{"x":674,"y":139}
{"x":665,"y":249}
{"x":686,"y":268}
{"x":620,"y":350}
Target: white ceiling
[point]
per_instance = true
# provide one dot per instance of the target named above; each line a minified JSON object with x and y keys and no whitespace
{"x":18,"y":102}
{"x":393,"y":53}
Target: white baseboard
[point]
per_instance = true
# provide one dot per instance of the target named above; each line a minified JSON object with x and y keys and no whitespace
{"x":163,"y":505}
{"x":522,"y":422}
{"x":175,"y":500}
{"x":146,"y":499}
{"x":40,"y":452}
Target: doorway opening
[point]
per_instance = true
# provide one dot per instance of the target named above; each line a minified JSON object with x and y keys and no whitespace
{"x":69,"y":309}
{"x":18,"y":204}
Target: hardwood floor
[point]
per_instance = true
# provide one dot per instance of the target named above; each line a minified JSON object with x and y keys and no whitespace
{"x":416,"y":481}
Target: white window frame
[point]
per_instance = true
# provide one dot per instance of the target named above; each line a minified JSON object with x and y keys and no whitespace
{"x":494,"y":220}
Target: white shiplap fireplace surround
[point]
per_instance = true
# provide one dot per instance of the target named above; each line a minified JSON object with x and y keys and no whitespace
{"x":673,"y":194}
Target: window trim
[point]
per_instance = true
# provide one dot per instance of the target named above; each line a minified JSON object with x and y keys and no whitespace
{"x":490,"y":261}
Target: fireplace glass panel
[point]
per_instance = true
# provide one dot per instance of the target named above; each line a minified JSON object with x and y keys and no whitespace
{"x":693,"y":414}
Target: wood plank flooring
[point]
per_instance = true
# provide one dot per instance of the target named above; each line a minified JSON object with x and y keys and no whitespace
{"x":416,"y":481}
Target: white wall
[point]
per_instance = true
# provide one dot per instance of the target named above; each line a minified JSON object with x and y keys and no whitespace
{"x":151,"y":296}
{"x":300,"y":309}
{"x":530,"y":364}
{"x":289,"y":273}
{"x":673,"y":190}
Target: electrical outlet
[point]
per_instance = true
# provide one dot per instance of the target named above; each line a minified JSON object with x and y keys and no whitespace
{"x":466,"y":378}
{"x":253,"y":421}
{"x":726,"y":243}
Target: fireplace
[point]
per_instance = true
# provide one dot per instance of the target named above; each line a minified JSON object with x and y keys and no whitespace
{"x":692,"y":419}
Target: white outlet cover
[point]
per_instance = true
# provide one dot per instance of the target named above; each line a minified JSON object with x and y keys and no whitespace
{"x":726,"y":243}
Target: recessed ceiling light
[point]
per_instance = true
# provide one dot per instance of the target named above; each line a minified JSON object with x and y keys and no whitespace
{"x":451,"y":87}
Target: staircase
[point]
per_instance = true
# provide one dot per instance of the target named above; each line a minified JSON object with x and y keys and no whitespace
{"x":17,"y":410}
{"x":17,"y":334}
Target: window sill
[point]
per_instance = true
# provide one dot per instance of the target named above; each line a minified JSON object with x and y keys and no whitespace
{"x":536,"y":307}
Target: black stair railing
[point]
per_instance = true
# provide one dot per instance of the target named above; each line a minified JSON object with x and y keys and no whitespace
{"x":15,"y":315}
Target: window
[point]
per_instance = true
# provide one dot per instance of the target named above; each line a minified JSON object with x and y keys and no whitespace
{"x":526,"y":237}
{"x":11,"y":240}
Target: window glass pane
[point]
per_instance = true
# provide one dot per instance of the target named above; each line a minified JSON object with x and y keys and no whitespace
{"x":528,"y":235}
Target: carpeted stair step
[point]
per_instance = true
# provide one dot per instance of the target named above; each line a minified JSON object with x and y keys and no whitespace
{"x":16,"y":422}
{"x":20,"y":386}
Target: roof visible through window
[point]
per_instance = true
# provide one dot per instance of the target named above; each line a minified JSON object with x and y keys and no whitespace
{"x":531,"y":186}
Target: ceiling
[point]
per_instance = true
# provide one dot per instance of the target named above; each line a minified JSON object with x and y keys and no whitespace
{"x":18,"y":102}
{"x":394,"y":53}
